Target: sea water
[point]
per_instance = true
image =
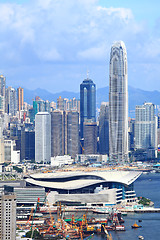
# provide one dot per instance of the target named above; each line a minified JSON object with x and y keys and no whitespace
{"x":147,"y":185}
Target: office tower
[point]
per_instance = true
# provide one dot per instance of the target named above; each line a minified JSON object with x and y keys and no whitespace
{"x":7,"y":216}
{"x":11,"y":101}
{"x":40,"y":105}
{"x":131,"y":131}
{"x":158,"y":132}
{"x":72,"y":133}
{"x":57,"y":133}
{"x":43,"y":137}
{"x":20,"y":98}
{"x":118,"y":104}
{"x":90,"y":137}
{"x":47,"y":106}
{"x":87,"y":102}
{"x":64,"y":133}
{"x":27,"y":144}
{"x":31,"y":114}
{"x":104,"y":128}
{"x":145,"y":129}
{"x":2,"y":92}
{"x":35,"y":107}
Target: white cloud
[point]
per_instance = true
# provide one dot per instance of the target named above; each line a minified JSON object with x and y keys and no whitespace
{"x":73,"y":28}
{"x":69,"y":31}
{"x":49,"y":55}
{"x":122,"y":13}
{"x":94,"y":53}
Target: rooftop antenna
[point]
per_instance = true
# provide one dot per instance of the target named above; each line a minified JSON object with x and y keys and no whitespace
{"x":87,"y":74}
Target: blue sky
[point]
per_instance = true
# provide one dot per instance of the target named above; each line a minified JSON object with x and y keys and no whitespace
{"x":51,"y":44}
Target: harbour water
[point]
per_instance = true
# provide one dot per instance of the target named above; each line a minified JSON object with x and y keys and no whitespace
{"x":147,"y":185}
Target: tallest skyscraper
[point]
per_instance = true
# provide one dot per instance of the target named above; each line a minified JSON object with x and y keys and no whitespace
{"x":118,"y":103}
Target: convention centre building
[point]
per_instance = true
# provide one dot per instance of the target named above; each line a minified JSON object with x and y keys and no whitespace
{"x":89,"y":188}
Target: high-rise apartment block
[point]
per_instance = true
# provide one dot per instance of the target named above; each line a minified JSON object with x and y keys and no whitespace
{"x":7,"y":216}
{"x":87,"y":102}
{"x":43,"y":137}
{"x":104,"y":128}
{"x":146,"y":129}
{"x":20,"y":98}
{"x":60,"y":103}
{"x":65,"y":104}
{"x":118,"y":103}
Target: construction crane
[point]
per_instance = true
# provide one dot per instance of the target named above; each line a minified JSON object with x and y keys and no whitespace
{"x":51,"y":217}
{"x":30,"y":216}
{"x":36,"y":209}
{"x":82,"y":147}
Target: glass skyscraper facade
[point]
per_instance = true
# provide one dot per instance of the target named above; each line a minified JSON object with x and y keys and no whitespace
{"x":104,"y":128}
{"x":118,"y":103}
{"x":43,"y":137}
{"x":146,"y":128}
{"x":87,"y":102}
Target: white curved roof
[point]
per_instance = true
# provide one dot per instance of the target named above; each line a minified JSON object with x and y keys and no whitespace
{"x":124,"y":177}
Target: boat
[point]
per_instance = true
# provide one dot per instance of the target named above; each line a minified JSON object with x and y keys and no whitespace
{"x":100,"y":211}
{"x":119,"y":228}
{"x":141,"y":237}
{"x":135,"y":225}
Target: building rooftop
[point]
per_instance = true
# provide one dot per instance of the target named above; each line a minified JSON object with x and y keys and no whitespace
{"x":76,"y":180}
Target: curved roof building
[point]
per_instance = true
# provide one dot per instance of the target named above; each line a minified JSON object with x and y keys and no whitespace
{"x":77,"y":184}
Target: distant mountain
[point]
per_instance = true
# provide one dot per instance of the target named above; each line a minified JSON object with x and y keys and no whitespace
{"x":29,"y":95}
{"x":136,"y":96}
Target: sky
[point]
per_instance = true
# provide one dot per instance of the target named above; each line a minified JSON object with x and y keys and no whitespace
{"x":52,"y":44}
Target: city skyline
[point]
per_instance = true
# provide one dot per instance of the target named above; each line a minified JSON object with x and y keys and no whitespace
{"x":48,"y":45}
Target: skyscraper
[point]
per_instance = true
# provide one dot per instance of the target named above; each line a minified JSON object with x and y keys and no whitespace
{"x":11,"y":101}
{"x":43,"y":137}
{"x":87,"y":102}
{"x":20,"y":98}
{"x":72,"y":133}
{"x":118,"y":103}
{"x":104,"y":128}
{"x":64,"y":133}
{"x":7,"y":215}
{"x":57,"y":133}
{"x":146,"y":129}
{"x":2,"y":92}
{"x":90,"y":137}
